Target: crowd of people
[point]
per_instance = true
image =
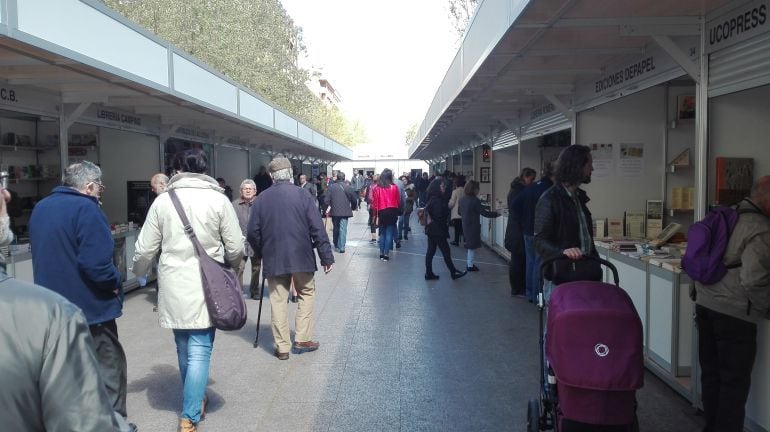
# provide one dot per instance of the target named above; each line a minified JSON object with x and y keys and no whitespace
{"x":63,"y":328}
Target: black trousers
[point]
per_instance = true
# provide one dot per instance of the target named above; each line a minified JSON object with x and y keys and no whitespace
{"x":458,"y":224}
{"x":112,"y":363}
{"x":727,"y":347}
{"x":440,"y":243}
{"x":517,"y":268}
{"x":372,"y":225}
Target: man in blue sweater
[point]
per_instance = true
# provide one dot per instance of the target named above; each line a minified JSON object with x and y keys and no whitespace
{"x":72,"y":254}
{"x":523,"y":211}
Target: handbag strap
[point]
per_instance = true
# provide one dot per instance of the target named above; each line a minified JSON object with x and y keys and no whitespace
{"x":188,"y":229}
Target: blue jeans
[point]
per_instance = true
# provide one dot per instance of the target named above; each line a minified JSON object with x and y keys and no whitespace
{"x":403,"y":225}
{"x":387,"y":233}
{"x":532,"y":269}
{"x":339,"y":232}
{"x":193,"y":350}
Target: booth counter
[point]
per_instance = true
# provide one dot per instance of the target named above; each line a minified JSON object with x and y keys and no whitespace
{"x":661,"y":297}
{"x":19,"y":264}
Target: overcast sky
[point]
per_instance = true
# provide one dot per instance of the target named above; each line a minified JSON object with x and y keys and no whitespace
{"x":386,"y":58}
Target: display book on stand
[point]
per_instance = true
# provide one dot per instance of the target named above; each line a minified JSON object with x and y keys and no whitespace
{"x":637,"y":235}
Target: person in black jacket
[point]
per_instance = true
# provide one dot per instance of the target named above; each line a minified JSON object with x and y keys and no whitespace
{"x":562,"y":221}
{"x":514,"y":239}
{"x":340,"y":199}
{"x":437,"y":230}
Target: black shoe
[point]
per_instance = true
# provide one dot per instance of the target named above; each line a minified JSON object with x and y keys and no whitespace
{"x":431,"y":276}
{"x":473,"y":268}
{"x":385,"y":258}
{"x":382,"y":257}
{"x":458,"y":274}
{"x":455,"y":244}
{"x":398,"y":245}
{"x":372,"y":241}
{"x":406,"y":238}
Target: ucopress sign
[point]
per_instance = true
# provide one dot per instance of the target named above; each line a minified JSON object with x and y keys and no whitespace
{"x":625,"y":74}
{"x":737,"y":25}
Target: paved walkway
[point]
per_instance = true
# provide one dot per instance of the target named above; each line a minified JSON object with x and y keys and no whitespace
{"x":397,"y":353}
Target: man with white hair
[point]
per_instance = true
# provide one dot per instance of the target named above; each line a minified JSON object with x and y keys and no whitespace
{"x":159,"y":183}
{"x":72,"y":252}
{"x":242,"y":207}
{"x":285,"y":221}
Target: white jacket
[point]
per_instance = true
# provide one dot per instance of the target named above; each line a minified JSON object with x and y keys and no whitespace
{"x":454,"y":202}
{"x":181,"y":304}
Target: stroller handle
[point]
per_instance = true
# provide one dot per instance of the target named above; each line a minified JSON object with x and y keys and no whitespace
{"x":602,"y":261}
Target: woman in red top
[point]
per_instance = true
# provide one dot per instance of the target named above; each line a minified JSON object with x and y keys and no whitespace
{"x":386,"y":201}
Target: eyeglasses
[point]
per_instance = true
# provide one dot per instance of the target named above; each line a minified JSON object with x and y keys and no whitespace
{"x":99,"y":184}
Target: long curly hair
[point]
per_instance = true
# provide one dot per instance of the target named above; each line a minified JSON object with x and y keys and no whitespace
{"x":570,"y":164}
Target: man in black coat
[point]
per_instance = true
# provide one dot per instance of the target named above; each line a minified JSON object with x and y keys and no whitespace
{"x":341,"y":200}
{"x":563,"y":224}
{"x":514,"y":239}
{"x":284,"y":228}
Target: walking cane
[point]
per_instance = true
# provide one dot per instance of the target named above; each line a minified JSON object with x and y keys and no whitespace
{"x":259,"y":313}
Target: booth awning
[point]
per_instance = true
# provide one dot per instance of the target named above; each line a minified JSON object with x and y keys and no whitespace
{"x":526,"y":66}
{"x":81,"y":54}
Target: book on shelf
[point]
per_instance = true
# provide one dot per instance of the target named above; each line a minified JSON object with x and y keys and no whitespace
{"x":635,"y":224}
{"x":734,"y":177}
{"x":654,"y":218}
{"x":615,"y":228}
{"x":600,"y":228}
{"x":682,"y":159}
{"x":676,"y":198}
{"x":666,"y":234}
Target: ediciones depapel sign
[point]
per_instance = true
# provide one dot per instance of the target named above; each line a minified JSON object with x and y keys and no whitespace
{"x":628,"y":73}
{"x":737,"y":25}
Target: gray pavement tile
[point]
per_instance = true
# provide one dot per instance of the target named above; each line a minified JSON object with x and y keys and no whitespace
{"x":311,"y":383}
{"x":296,"y":416}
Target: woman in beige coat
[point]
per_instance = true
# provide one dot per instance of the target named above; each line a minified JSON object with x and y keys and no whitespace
{"x":181,"y":304}
{"x":457,"y":221}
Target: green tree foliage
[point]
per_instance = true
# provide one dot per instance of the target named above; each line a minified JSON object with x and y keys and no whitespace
{"x":460,"y":13}
{"x":254,"y":42}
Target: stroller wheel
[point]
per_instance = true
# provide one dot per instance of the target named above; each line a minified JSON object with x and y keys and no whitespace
{"x":533,"y":416}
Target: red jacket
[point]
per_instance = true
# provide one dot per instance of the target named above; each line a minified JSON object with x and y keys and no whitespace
{"x":386,"y":198}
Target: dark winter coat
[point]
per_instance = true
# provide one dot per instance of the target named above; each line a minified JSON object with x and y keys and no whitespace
{"x":557,"y":226}
{"x":523,"y":208}
{"x":471,"y":211}
{"x":284,"y":228}
{"x":72,"y":252}
{"x":341,"y":198}
{"x":514,"y":237}
{"x":438,"y":211}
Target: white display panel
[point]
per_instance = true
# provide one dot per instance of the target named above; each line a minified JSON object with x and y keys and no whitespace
{"x":304,"y":133}
{"x":195,"y":81}
{"x":255,"y":110}
{"x":634,"y":281}
{"x":661,"y":315}
{"x":636,"y":119}
{"x":233,"y":166}
{"x":81,"y":28}
{"x":125,"y":156}
{"x":285,"y":124}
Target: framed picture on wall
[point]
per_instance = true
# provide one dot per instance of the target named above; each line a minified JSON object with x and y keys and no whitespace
{"x":685,"y":107}
{"x":484,"y":175}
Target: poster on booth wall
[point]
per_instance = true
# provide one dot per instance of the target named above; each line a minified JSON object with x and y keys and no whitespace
{"x":603,"y":160}
{"x":631,"y":160}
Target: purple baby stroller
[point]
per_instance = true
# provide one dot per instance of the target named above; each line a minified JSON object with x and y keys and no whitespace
{"x":593,"y":356}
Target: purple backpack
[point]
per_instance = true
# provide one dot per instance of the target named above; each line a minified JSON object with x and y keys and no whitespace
{"x":706,"y":245}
